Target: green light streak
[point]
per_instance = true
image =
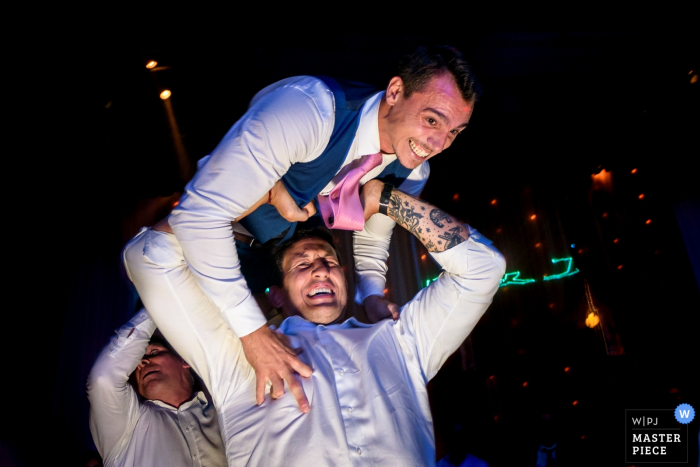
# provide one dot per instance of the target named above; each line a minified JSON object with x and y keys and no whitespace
{"x":568,"y":272}
{"x":513,"y":278}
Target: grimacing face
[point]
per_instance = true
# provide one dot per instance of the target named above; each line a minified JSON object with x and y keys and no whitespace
{"x":314,"y":285}
{"x":160,"y":371}
{"x":426,"y":123}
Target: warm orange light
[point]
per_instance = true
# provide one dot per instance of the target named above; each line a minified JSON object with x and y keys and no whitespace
{"x":567,"y":369}
{"x":533,"y":217}
{"x":619,"y":266}
{"x":537,"y":245}
{"x":455,"y":197}
{"x":580,"y":251}
{"x":423,"y":256}
{"x":492,"y":377}
{"x":673,"y":390}
{"x":525,"y":384}
{"x":165,"y":94}
{"x":499,"y":230}
{"x":617,"y":240}
{"x":592,"y":320}
{"x":551,"y":306}
{"x":574,"y":403}
{"x":693,"y":79}
{"x":385,"y":291}
{"x":641,"y":196}
{"x":176,"y":203}
{"x":493,"y":201}
{"x":634,"y":171}
{"x":605,"y":215}
{"x":152,"y":64}
{"x":602,"y":180}
{"x":648,"y":221}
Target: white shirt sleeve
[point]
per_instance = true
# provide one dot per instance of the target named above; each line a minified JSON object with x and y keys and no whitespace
{"x":371,"y":245}
{"x":114,"y":405}
{"x":438,"y":319}
{"x":292,"y":123}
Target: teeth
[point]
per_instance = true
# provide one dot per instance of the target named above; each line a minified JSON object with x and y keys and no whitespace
{"x":418,"y":149}
{"x":319,"y":290}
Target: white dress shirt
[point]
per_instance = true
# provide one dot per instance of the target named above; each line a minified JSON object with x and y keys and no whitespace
{"x":368,"y":396}
{"x":288,"y":122}
{"x":149,"y":433}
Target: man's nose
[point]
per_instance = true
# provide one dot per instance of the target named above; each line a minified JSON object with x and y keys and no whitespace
{"x":321,"y":268}
{"x":144,"y":361}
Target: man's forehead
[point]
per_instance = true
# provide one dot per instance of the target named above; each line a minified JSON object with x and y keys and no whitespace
{"x":309,"y":247}
{"x":156,"y":345}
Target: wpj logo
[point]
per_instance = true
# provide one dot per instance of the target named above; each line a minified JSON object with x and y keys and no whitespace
{"x":657,"y":435}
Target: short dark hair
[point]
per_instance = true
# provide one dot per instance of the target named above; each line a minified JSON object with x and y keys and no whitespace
{"x":320,"y":233}
{"x":418,"y":67}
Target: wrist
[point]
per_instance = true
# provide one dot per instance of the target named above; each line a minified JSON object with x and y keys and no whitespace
{"x":385,"y":198}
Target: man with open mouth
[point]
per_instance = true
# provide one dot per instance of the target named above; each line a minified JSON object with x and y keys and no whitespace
{"x":144,"y":407}
{"x":366,"y":400}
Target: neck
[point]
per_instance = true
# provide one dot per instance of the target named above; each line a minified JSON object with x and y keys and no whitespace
{"x":384,"y":142}
{"x":175,"y":398}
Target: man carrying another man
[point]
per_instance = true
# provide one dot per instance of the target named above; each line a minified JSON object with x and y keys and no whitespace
{"x":169,"y":425}
{"x":301,"y":138}
{"x":367,"y":397}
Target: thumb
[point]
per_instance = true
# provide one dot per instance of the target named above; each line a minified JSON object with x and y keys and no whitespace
{"x":395,"y":310}
{"x":310,"y":209}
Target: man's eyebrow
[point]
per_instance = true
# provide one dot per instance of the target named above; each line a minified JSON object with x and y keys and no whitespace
{"x":443,"y":117}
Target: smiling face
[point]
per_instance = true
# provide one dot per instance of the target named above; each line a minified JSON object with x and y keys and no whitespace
{"x":163,"y":375}
{"x":313,"y":281}
{"x":424,"y":124}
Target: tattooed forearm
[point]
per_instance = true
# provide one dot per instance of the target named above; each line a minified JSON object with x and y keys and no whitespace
{"x":436,"y":216}
{"x":431,"y":230}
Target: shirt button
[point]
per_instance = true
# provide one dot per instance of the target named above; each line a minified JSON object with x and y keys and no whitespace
{"x":358,"y":451}
{"x":187,"y":429}
{"x":194,"y":456}
{"x":341,"y":372}
{"x":349,"y":409}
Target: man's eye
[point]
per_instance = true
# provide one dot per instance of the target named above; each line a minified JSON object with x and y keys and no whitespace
{"x":455,"y":132}
{"x":431,"y":121}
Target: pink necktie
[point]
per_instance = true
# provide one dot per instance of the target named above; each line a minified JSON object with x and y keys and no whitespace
{"x":342,"y":208}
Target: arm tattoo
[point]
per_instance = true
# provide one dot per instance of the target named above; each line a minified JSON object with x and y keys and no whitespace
{"x":433,"y":230}
{"x":452,"y":237}
{"x":405,"y":215}
{"x":436,"y":216}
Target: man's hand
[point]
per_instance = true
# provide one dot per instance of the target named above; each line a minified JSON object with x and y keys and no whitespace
{"x":273,"y":360}
{"x":282,"y":200}
{"x":369,"y":197}
{"x":379,"y":308}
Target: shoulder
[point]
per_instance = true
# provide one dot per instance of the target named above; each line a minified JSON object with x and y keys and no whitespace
{"x":295,"y":88}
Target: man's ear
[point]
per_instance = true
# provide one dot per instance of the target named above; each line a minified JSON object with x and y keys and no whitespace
{"x":276,"y":296}
{"x":394,"y":90}
{"x":185,"y":365}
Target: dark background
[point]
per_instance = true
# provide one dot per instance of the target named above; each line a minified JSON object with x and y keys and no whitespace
{"x":561,"y":102}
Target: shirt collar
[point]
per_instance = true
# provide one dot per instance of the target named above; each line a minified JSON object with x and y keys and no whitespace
{"x":197,"y":398}
{"x":296,"y":324}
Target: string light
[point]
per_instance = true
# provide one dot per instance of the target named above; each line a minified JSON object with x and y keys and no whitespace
{"x":176,"y":203}
{"x":567,"y":369}
{"x":605,"y":215}
{"x":525,"y":384}
{"x":494,"y":201}
{"x":537,"y":245}
{"x":514,"y":277}
{"x":634,"y":171}
{"x":385,"y":291}
{"x":693,"y":79}
{"x":641,"y":196}
{"x":533,"y":217}
{"x":267,"y":290}
{"x":648,"y":221}
{"x":455,"y":197}
{"x":617,"y":240}
{"x":165,"y":94}
{"x":619,"y":267}
{"x":574,"y":403}
{"x":152,"y":64}
{"x":423,"y":257}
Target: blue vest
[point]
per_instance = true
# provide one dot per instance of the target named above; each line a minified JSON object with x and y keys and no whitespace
{"x":305,"y":180}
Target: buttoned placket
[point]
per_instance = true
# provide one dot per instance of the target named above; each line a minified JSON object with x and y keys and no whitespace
{"x":346,"y":383}
{"x":188,"y":425}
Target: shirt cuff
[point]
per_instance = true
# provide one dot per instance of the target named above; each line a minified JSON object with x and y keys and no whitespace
{"x":369,"y":285}
{"x":245,"y":318}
